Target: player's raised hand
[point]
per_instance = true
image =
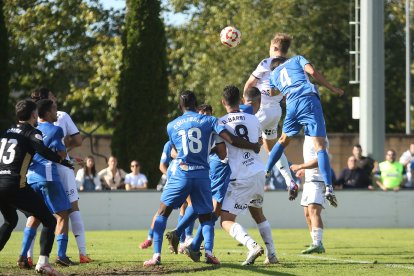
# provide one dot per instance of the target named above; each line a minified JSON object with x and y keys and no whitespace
{"x":295,"y":167}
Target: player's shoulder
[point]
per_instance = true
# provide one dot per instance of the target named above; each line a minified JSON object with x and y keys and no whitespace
{"x":266,"y":62}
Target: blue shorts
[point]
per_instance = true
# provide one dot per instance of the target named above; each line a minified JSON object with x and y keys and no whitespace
{"x":53,"y":194}
{"x":306,"y":112}
{"x":179,"y":188}
{"x":220,"y":178}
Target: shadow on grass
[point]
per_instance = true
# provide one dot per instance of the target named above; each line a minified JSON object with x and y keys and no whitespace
{"x":259,"y":269}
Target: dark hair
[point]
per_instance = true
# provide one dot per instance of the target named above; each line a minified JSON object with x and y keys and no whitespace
{"x":205,"y":108}
{"x":40,"y":94}
{"x":44,"y":106}
{"x":357,"y":146}
{"x":188,"y":99}
{"x":282,"y":41}
{"x":231,"y":94}
{"x":85,"y":168}
{"x":252,"y":93}
{"x":24,"y":109}
{"x":276,"y":62}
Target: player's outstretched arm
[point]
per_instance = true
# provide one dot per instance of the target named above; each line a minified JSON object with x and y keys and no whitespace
{"x":308,"y":165}
{"x":47,"y":153}
{"x":251,"y":82}
{"x":321,"y":79}
{"x":239,"y":142}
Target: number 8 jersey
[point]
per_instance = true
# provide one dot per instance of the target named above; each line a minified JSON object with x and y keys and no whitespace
{"x":244,"y":163}
{"x":291,"y":79}
{"x":191,"y":134}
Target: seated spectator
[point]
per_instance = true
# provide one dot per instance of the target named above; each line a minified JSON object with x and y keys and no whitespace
{"x":86,"y":178}
{"x":353,"y":177}
{"x":367,"y":164}
{"x":390,"y":174}
{"x":112,"y":178}
{"x":407,"y":159}
{"x":135,"y":180}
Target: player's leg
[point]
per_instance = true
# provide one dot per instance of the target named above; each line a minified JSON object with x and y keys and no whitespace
{"x":31,"y":203}
{"x":180,"y":217}
{"x":10,"y":221}
{"x":148,"y":242}
{"x":29,"y":233}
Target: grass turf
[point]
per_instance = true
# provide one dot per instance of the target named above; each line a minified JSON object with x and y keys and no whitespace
{"x":348,"y":252}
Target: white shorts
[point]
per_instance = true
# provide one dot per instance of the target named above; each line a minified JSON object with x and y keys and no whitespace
{"x":313,"y":193}
{"x":269,"y":117}
{"x":244,"y":193}
{"x":67,"y":177}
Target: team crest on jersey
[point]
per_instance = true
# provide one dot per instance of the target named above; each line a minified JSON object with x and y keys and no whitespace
{"x":38,"y":137}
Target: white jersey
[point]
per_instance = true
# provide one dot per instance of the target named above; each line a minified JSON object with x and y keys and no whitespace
{"x":310,"y":154}
{"x":244,"y":163}
{"x":66,"y":123}
{"x":262,"y":74}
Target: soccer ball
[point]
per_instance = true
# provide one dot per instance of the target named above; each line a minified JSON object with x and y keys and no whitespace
{"x":230,"y":36}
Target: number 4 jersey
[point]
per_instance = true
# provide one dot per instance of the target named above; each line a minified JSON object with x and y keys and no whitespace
{"x":243,"y":163}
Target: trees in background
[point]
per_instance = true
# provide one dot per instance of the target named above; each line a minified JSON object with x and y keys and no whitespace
{"x":142,"y":106}
{"x":4,"y":72}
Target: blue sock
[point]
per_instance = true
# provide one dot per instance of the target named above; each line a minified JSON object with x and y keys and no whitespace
{"x":189,"y":217}
{"x":189,"y":229}
{"x":159,"y":227}
{"x":62,"y":244}
{"x":28,"y":235}
{"x":208,"y":234}
{"x":182,"y":236}
{"x":274,"y":155}
{"x":324,"y":166}
{"x":151,"y":233}
{"x":198,"y":238}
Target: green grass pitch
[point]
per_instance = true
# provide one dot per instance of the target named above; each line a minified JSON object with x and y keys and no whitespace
{"x":348,"y":252}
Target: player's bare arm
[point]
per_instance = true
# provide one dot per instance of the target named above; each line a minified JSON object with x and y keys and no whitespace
{"x":321,"y":79}
{"x":308,"y":165}
{"x":239,"y":142}
{"x":251,"y":82}
{"x":221,"y":150}
{"x":72,"y":141}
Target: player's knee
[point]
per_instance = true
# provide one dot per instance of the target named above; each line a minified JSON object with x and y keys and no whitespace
{"x":205,"y":217}
{"x":164,"y":210}
{"x":11,"y":222}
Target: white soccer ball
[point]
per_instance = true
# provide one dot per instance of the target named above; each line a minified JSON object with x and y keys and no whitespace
{"x":230,"y":36}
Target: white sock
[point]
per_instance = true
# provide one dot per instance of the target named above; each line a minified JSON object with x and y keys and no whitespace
{"x":311,"y":234}
{"x":317,"y":234}
{"x":149,"y":238}
{"x":156,"y":255}
{"x":266,"y":233}
{"x":237,"y":232}
{"x":283,"y":166}
{"x":43,"y":260}
{"x":208,"y":252}
{"x":78,"y":231}
{"x":30,"y":252}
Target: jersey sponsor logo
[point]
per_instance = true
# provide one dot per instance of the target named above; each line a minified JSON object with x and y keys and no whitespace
{"x":270,"y":131}
{"x":246,"y":155}
{"x":240,"y":206}
{"x":5,"y":172}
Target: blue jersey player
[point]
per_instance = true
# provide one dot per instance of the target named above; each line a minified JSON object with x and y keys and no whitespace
{"x":191,"y":136}
{"x":43,"y":177}
{"x":303,"y":109}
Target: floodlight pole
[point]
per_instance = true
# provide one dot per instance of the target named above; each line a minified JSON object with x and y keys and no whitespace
{"x":372,"y":121}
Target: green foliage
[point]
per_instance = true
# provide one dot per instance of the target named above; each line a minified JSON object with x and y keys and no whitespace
{"x":140,"y":130}
{"x":70,"y":46}
{"x":4,"y":72}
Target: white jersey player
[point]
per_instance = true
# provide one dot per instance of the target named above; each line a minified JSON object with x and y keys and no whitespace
{"x":67,"y":176}
{"x":313,"y":195}
{"x":246,"y":187}
{"x":270,"y":110}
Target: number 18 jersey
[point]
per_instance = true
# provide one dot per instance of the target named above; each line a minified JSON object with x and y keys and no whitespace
{"x":191,"y":135}
{"x":244,"y":163}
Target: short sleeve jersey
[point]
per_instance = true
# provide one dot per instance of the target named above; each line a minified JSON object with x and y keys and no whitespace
{"x":310,"y":154}
{"x":65,"y":122}
{"x":136,"y":180}
{"x":42,"y":169}
{"x":244,"y":163}
{"x":262,"y":74}
{"x":191,"y":134}
{"x":291,"y":79}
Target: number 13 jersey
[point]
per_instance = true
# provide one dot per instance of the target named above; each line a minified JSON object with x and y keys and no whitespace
{"x":244,"y":163}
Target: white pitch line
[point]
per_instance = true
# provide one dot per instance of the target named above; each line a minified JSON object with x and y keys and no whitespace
{"x":356,"y":261}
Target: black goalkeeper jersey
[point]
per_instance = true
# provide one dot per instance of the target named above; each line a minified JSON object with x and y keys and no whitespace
{"x":17,"y":147}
